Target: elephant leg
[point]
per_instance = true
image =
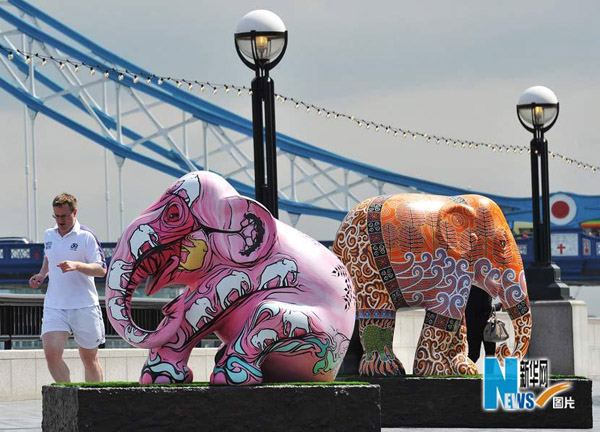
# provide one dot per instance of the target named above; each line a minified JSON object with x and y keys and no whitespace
{"x":165,"y":365}
{"x":239,"y":361}
{"x":268,"y":350}
{"x":376,"y":311}
{"x":233,"y":367}
{"x":169,"y":363}
{"x":460,"y":362}
{"x":442,"y":348}
{"x":376,"y":338}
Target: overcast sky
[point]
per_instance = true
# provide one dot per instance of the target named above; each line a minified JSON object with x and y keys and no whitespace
{"x":451,"y":68}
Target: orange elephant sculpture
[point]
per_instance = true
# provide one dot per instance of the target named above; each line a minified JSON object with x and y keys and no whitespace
{"x":426,"y":251}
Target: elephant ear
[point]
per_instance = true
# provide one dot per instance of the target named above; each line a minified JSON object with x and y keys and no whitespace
{"x":246,"y":230}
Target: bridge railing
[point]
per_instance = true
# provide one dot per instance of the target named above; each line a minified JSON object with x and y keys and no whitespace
{"x":19,"y":261}
{"x":576,"y":253}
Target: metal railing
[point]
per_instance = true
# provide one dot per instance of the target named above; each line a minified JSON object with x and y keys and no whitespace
{"x":21,"y":317}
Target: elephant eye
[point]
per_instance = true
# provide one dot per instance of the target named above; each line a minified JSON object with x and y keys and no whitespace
{"x":172,"y":213}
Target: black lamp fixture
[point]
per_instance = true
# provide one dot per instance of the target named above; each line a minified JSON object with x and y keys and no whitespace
{"x":538,"y":111}
{"x":261,"y":41}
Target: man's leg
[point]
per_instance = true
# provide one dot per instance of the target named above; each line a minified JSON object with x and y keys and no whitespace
{"x":88,"y":331}
{"x":54,"y":345}
{"x":91,"y":364}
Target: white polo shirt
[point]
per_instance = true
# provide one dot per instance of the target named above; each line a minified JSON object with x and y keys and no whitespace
{"x":71,"y":290}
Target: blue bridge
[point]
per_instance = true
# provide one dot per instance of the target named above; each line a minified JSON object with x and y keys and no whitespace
{"x":578,"y":257}
{"x":128,"y":111}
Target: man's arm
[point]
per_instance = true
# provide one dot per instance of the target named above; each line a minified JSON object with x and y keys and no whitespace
{"x":91,"y":269}
{"x":37,"y":279}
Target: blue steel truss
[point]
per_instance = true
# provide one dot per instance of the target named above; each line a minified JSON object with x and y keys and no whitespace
{"x":316,"y":182}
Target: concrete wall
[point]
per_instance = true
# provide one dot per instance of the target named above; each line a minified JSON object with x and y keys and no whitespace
{"x":594,"y":347}
{"x":582,"y":343}
{"x":24,"y":372}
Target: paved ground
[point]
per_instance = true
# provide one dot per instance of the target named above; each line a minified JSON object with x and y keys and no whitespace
{"x":27,"y":416}
{"x":21,"y":416}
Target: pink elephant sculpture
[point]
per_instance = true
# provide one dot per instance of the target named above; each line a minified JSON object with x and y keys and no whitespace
{"x":282,"y":304}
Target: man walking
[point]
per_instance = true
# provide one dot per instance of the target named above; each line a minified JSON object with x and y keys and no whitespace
{"x":73,"y":257}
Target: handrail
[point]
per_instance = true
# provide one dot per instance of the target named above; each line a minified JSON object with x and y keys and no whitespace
{"x":21,"y":316}
{"x":38,"y":300}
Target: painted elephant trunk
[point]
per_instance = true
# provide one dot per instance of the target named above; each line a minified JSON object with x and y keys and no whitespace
{"x":145,"y":254}
{"x":120,"y":316}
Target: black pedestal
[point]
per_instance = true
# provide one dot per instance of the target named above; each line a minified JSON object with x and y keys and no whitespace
{"x":457,"y":402}
{"x":301,"y":408}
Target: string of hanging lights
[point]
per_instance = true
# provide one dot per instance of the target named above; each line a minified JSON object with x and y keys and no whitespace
{"x":120,"y":74}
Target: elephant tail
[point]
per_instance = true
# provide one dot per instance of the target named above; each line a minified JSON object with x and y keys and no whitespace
{"x":346,"y":244}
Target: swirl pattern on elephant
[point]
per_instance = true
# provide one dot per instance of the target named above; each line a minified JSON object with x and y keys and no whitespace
{"x":427,"y":251}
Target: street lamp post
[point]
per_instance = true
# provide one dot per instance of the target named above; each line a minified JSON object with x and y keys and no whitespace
{"x":261,"y":41}
{"x":537,"y":111}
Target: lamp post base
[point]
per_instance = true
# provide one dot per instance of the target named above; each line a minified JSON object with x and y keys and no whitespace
{"x":543,"y":282}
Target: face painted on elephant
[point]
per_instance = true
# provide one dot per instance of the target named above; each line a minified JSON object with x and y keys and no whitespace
{"x":189,"y":230}
{"x":232,"y":256}
{"x":427,"y":251}
{"x":193,"y":255}
{"x":142,"y":239}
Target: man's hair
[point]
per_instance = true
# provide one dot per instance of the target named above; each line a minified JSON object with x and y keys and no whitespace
{"x":65,"y":198}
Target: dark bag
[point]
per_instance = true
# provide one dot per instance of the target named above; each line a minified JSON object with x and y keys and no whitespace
{"x":494,"y":330}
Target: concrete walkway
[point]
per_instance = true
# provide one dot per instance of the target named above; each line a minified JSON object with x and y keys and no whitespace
{"x":27,"y":416}
{"x":21,"y":416}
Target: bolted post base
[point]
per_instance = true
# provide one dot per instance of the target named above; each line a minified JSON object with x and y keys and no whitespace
{"x":543,"y":282}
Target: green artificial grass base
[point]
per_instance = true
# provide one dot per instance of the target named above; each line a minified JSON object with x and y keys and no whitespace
{"x":122,"y":384}
{"x":327,"y":383}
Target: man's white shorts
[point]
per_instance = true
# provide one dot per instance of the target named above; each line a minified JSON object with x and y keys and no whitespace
{"x":85,"y":324}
